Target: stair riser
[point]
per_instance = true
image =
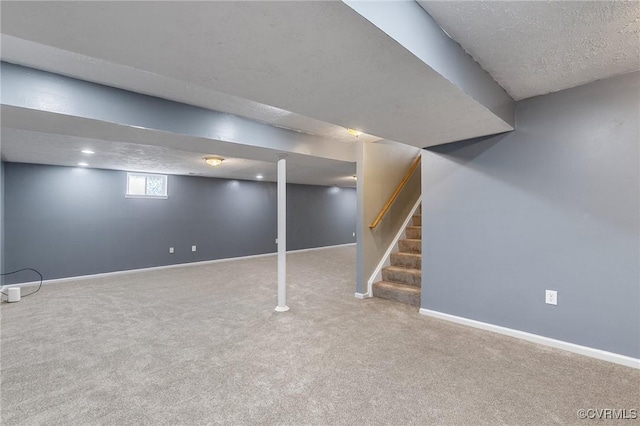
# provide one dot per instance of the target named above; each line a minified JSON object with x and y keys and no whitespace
{"x":413,"y":262}
{"x":414,"y":233}
{"x":417,"y":220}
{"x":389,"y":294}
{"x":402,"y":277}
{"x":410,"y":246}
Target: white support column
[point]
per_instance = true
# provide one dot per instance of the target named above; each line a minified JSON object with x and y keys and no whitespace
{"x":282,"y":236}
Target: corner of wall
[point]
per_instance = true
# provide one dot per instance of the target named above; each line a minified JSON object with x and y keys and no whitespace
{"x":1,"y":220}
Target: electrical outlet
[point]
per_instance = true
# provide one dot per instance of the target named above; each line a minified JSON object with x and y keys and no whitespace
{"x":276,"y":241}
{"x":354,"y":234}
{"x":171,"y":250}
{"x":551,"y":297}
{"x":193,"y":248}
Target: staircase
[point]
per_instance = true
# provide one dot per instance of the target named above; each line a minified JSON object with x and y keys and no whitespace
{"x":402,"y":280}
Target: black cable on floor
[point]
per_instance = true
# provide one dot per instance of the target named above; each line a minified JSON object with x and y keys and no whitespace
{"x":20,"y":270}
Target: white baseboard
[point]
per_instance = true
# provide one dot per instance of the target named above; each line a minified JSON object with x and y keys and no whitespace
{"x":320,"y":248}
{"x":535,"y":338}
{"x":363,"y":295}
{"x":157,"y":268}
{"x":385,"y":261}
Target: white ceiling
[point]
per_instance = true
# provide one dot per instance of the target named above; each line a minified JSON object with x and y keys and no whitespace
{"x":535,"y":47}
{"x":83,"y":67}
{"x":27,"y":146}
{"x":318,"y":59}
{"x":321,"y":59}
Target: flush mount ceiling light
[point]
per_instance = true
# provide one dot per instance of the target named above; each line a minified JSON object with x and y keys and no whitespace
{"x":213,"y":161}
{"x":354,"y":132}
{"x":83,"y":164}
{"x":259,"y":177}
{"x":87,"y":151}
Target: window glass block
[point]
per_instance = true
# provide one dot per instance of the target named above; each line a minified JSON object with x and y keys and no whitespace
{"x":141,"y":185}
{"x":155,"y":186}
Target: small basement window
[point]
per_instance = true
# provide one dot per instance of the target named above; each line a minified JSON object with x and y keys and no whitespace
{"x":145,"y":185}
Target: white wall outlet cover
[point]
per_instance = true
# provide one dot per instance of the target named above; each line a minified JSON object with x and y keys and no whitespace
{"x":193,"y":248}
{"x":171,"y":250}
{"x":551,"y":297}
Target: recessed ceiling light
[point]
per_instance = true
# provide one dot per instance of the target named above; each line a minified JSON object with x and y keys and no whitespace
{"x":83,"y":164}
{"x":259,"y":177}
{"x":355,"y":177}
{"x":213,"y":161}
{"x":354,"y":132}
{"x":87,"y":151}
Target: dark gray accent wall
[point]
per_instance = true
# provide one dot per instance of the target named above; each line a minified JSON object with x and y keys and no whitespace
{"x":319,"y":216}
{"x":553,"y":205}
{"x":66,"y":221}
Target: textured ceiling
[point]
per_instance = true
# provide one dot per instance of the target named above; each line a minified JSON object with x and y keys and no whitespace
{"x":535,"y":47}
{"x":318,"y":59}
{"x":63,"y":150}
{"x":71,"y":64}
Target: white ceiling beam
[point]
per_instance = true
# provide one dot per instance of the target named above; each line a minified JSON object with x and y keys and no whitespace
{"x":46,"y":92}
{"x":412,"y":27}
{"x":321,"y":60}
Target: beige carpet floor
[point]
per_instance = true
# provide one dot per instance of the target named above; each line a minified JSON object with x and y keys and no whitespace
{"x":202,"y":345}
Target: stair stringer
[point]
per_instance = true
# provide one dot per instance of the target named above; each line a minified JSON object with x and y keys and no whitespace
{"x":393,"y":248}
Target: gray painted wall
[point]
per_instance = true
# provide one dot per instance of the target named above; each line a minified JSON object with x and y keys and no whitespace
{"x":319,"y":216}
{"x":553,"y":205}
{"x":1,"y":220}
{"x":66,"y":221}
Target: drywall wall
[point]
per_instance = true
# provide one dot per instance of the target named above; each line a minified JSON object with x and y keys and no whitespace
{"x":66,"y":221}
{"x":319,"y":216}
{"x":553,"y":205}
{"x":1,"y":219}
{"x":380,"y":168}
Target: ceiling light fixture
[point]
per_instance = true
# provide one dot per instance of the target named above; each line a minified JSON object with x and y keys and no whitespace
{"x":83,"y":164}
{"x":259,"y":177}
{"x":87,"y":151}
{"x":213,"y":161}
{"x":354,"y":132}
{"x":355,"y":177}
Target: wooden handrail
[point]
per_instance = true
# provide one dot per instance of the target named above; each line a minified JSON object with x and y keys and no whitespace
{"x":395,"y":194}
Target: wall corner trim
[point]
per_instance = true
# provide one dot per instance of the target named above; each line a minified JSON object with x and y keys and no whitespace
{"x":363,"y":295}
{"x":535,"y":338}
